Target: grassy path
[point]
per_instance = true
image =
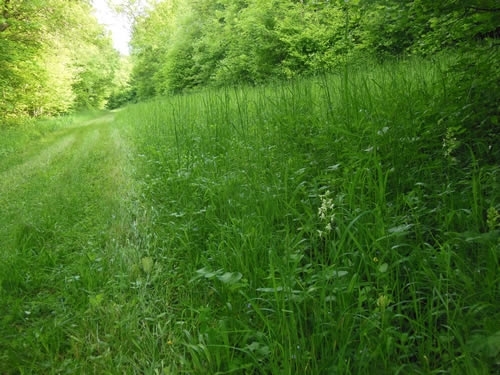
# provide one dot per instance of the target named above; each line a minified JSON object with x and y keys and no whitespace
{"x":67,"y":241}
{"x":308,"y":227}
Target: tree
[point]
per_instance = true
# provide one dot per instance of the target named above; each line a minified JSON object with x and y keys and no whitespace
{"x":122,"y":90}
{"x":152,"y":38}
{"x":19,"y":46}
{"x":425,"y":26}
{"x":54,"y":56}
{"x":183,"y":44}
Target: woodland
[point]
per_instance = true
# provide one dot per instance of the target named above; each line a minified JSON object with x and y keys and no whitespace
{"x":55,"y":58}
{"x":186,"y":44}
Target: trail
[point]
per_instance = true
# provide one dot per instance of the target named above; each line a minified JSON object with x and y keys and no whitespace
{"x":78,"y":171}
{"x":67,"y":233}
{"x":68,"y":230}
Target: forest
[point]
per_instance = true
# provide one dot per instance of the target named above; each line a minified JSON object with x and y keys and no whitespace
{"x":54,"y":58}
{"x":258,"y":187}
{"x":187,"y":44}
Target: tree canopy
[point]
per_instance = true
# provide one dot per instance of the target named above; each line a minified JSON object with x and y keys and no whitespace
{"x":54,"y":57}
{"x":181,"y":44}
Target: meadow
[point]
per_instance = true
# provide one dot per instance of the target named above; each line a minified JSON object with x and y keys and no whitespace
{"x":326,"y":225}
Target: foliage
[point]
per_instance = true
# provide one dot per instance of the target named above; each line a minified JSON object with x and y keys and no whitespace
{"x":122,"y":91}
{"x":54,"y":57}
{"x":151,"y":36}
{"x":426,"y":27}
{"x":339,"y":223}
{"x":180,"y":45}
{"x":472,"y":118}
{"x":310,"y":226}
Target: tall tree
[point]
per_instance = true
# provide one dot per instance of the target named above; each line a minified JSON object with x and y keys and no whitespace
{"x":151,"y":41}
{"x":183,"y":44}
{"x":54,"y":56}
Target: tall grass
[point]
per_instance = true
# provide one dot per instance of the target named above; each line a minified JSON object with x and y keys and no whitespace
{"x":316,"y":227}
{"x":329,"y":225}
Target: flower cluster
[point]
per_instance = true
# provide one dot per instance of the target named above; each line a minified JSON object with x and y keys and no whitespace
{"x":326,"y":213}
{"x":492,"y":218}
{"x":450,"y":143}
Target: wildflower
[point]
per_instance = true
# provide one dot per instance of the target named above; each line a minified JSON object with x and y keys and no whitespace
{"x":450,"y":142}
{"x":383,"y":301}
{"x":325,"y":212}
{"x":492,"y":218}
{"x":326,"y":205}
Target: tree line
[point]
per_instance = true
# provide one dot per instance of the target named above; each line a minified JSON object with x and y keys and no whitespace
{"x":54,"y":57}
{"x":183,"y":44}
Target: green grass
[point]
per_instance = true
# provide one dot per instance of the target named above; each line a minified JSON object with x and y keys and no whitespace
{"x":316,"y":226}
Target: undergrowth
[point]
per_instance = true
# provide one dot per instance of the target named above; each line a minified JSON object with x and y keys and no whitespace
{"x":340,"y":224}
{"x":326,"y":226}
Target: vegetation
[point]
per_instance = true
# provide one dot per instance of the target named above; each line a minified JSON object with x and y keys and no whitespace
{"x":319,"y":226}
{"x":311,"y":187}
{"x":54,"y":57}
{"x":313,"y":226}
{"x":184,"y":44}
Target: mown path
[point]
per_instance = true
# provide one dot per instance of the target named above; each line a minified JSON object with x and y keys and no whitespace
{"x":67,"y":213}
{"x":68,"y":181}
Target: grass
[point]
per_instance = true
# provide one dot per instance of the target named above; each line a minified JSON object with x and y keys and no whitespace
{"x":315,"y":226}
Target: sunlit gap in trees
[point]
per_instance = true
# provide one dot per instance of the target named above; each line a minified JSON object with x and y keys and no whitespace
{"x":117,"y":23}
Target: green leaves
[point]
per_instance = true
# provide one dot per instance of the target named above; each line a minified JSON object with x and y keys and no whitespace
{"x":230,"y":280}
{"x":224,"y":277}
{"x":182,"y":45}
{"x":186,"y":44}
{"x":61,"y":58}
